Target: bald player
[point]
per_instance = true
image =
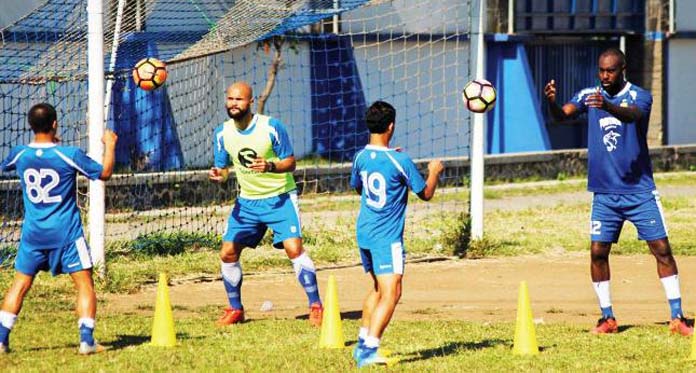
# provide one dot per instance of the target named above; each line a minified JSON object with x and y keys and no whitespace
{"x":259,"y":149}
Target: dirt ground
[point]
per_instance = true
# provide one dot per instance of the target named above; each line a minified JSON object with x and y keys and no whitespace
{"x":479,"y":290}
{"x":476,"y":290}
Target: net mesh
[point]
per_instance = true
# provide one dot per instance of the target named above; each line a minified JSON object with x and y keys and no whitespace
{"x":327,"y":70}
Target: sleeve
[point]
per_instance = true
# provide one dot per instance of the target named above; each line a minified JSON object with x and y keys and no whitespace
{"x":10,"y":163}
{"x":280,"y":140}
{"x":86,"y":165}
{"x":643,"y":101}
{"x":579,"y":99}
{"x":355,"y":179}
{"x":414,"y":179}
{"x":222,"y":158}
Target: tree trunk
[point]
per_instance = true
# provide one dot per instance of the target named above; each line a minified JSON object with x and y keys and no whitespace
{"x":272,"y":73}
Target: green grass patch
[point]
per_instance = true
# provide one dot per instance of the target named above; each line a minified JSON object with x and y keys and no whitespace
{"x":50,"y":344}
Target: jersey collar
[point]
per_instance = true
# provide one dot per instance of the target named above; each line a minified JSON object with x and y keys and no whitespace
{"x":622,"y":91}
{"x":42,"y":145}
{"x":377,"y":147}
{"x":249,"y":129}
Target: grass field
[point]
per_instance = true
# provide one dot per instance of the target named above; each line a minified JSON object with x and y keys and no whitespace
{"x":291,"y":345}
{"x":45,"y":336}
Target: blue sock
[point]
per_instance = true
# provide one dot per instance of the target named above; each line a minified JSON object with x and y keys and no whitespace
{"x":676,"y":308}
{"x":607,"y":312}
{"x":87,"y":334}
{"x":232,"y":278}
{"x":4,"y":335}
{"x":308,"y":280}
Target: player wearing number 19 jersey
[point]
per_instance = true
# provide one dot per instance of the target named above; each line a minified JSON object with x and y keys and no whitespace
{"x":52,"y":237}
{"x":382,"y":177}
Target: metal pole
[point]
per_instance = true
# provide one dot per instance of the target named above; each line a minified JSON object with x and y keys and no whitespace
{"x":477,"y":137}
{"x":335,"y":17}
{"x":511,"y":17}
{"x":112,"y":59}
{"x":95,"y":60}
{"x":671,"y":16}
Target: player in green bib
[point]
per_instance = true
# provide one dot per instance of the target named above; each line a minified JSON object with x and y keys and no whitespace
{"x":259,"y":149}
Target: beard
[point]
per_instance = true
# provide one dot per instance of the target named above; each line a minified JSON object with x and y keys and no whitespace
{"x":239,"y":115}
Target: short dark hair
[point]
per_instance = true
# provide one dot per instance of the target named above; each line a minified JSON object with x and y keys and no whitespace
{"x":615,"y":52}
{"x":378,"y":117}
{"x":41,"y":117}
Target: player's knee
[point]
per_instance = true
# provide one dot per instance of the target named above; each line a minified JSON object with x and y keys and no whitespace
{"x":21,"y":286}
{"x":599,"y":256}
{"x":664,"y":257}
{"x":228,"y":254}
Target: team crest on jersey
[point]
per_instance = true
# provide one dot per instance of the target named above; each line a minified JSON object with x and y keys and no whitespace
{"x":624,"y":103}
{"x":610,"y":140}
{"x":246,"y":156}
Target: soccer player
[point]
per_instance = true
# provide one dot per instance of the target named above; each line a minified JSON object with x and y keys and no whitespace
{"x":52,"y":237}
{"x":620,"y":176}
{"x":382,"y":176}
{"x":259,"y":148}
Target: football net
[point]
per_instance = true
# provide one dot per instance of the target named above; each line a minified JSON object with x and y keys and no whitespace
{"x":315,"y":64}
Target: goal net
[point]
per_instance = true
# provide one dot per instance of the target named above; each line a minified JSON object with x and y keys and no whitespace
{"x":315,"y":64}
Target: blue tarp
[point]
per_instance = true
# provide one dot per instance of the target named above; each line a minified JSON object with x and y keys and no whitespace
{"x":143,"y":120}
{"x":338,"y":100}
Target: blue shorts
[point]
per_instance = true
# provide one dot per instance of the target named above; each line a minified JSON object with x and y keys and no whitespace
{"x":386,"y":260}
{"x":250,"y":218}
{"x":609,"y":211}
{"x":67,"y":259}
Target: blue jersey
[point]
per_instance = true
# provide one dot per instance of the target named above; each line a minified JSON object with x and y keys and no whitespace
{"x":48,"y":177}
{"x":617,"y":152}
{"x":384,"y":176}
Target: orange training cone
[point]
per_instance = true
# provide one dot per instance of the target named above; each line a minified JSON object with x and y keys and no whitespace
{"x":525,"y":335}
{"x":163,"y":334}
{"x":331,"y":327}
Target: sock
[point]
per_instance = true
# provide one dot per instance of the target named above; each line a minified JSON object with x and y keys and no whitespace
{"x":306,"y":274}
{"x":604,"y":297}
{"x":7,"y":321}
{"x":371,"y":342}
{"x":362,"y":335}
{"x":232,"y":278}
{"x":86,"y":325}
{"x":671,"y":285}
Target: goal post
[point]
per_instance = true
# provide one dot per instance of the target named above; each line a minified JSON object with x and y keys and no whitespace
{"x":95,"y":111}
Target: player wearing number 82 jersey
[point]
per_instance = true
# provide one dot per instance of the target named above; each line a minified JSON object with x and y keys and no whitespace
{"x":48,"y":175}
{"x":52,"y":236}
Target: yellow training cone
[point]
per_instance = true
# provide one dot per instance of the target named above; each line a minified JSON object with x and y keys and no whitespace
{"x":163,"y":334}
{"x":331,"y":328}
{"x":525,"y":335}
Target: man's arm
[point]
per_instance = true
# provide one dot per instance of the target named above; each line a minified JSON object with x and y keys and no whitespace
{"x":218,"y":175}
{"x":626,"y":114}
{"x":109,"y":139}
{"x":284,"y":165}
{"x":435,"y":167}
{"x":558,"y":113}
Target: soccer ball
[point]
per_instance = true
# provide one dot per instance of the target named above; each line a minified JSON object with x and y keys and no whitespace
{"x":149,"y":73}
{"x":479,"y":95}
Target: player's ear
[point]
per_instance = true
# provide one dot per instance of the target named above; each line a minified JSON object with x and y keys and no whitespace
{"x":54,"y":126}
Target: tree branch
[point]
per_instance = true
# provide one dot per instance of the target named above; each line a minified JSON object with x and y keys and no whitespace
{"x":272,"y":73}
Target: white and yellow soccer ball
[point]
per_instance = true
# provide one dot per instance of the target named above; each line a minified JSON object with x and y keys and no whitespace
{"x":149,"y":73}
{"x":479,"y":95}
